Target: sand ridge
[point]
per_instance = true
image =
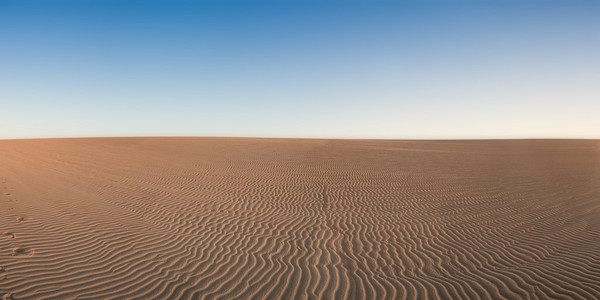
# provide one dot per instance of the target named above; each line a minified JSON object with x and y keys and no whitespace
{"x":242,"y":218}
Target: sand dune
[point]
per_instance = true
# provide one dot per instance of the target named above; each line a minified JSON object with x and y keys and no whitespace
{"x":235,"y":218}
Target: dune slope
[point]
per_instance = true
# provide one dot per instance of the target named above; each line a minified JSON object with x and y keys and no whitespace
{"x":237,"y":218}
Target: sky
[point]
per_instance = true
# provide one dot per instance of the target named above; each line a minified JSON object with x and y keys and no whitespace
{"x":323,"y":69}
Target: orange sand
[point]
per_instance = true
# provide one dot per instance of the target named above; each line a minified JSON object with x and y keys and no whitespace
{"x":237,"y":218}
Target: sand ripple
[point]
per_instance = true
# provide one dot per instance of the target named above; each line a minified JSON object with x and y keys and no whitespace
{"x":225,"y":218}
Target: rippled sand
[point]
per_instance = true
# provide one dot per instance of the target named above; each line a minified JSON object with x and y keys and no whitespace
{"x":237,"y":218}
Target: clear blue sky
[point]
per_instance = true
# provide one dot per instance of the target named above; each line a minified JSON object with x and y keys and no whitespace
{"x":342,"y":69}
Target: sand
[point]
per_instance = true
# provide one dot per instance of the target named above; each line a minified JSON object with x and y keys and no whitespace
{"x":237,"y":218}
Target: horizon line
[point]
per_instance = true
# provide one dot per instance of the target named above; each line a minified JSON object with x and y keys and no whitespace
{"x":303,"y":138}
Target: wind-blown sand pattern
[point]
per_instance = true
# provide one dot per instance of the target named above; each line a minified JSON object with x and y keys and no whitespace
{"x":229,"y":218}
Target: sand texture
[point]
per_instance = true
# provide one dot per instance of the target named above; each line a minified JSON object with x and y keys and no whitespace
{"x":237,"y":218}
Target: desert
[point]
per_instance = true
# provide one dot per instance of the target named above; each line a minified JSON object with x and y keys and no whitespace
{"x":262,"y":218}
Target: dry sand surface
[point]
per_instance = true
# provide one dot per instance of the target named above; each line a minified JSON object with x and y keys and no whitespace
{"x":236,"y":218}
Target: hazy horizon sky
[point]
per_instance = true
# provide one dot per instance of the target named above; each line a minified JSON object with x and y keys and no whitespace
{"x":339,"y":69}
